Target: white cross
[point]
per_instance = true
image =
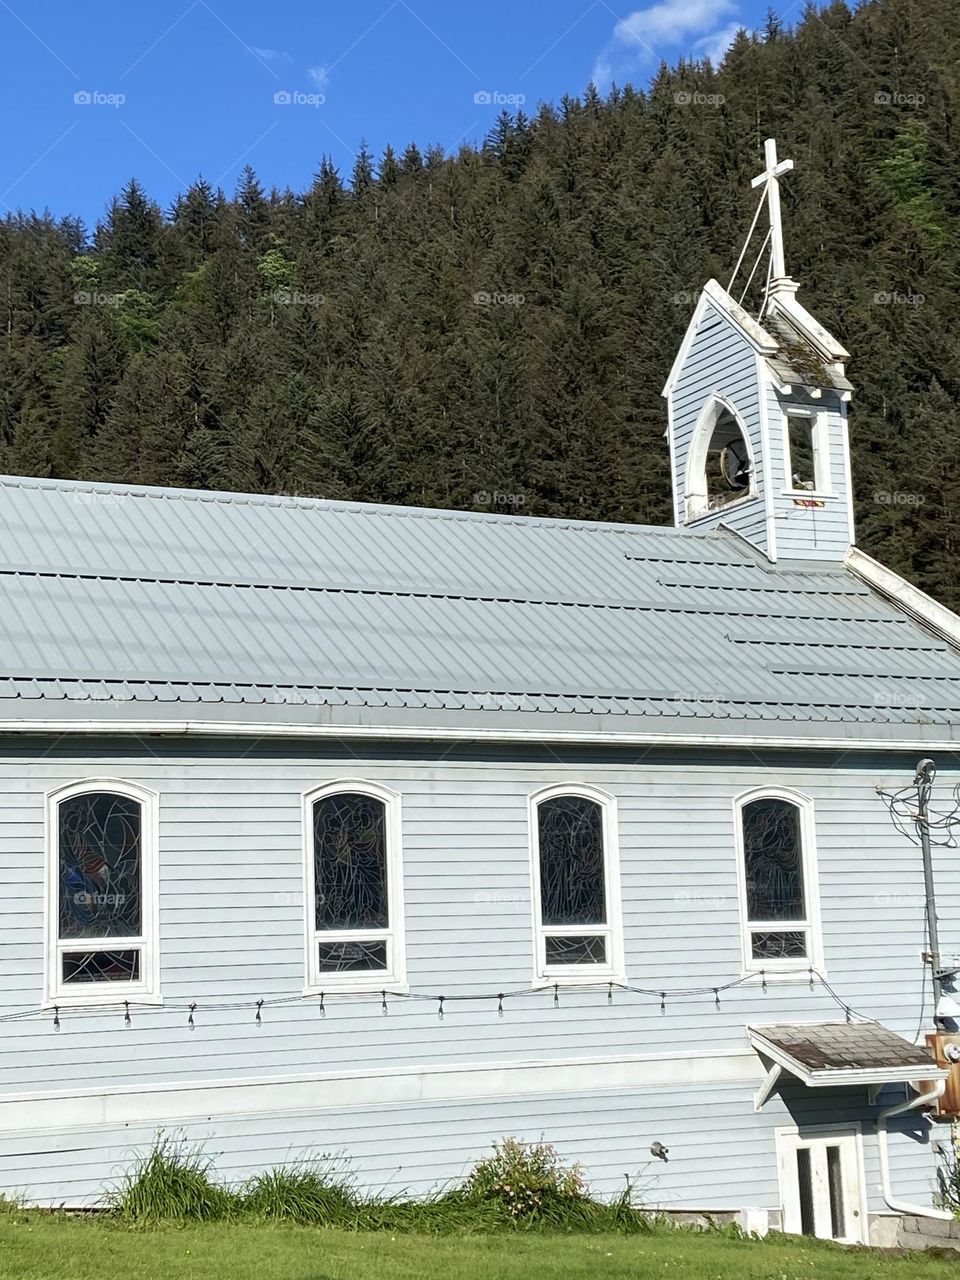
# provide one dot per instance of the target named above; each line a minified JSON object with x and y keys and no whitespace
{"x":770,"y":176}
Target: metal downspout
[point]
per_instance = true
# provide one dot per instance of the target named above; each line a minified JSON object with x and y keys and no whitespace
{"x":902,"y":1206}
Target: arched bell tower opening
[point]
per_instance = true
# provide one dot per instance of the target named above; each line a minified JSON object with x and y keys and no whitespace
{"x":721,"y":469}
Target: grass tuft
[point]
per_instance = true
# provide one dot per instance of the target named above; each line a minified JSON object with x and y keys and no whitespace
{"x":172,"y":1183}
{"x":311,"y":1194}
{"x":520,"y":1186}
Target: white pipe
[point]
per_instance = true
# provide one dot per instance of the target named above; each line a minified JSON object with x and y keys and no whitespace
{"x":902,"y":1206}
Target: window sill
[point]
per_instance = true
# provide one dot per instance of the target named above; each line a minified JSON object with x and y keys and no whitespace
{"x":546,"y":982}
{"x":364,"y":986}
{"x":821,"y":494}
{"x":96,"y":1001}
{"x":754,"y":977}
{"x":727,"y":506}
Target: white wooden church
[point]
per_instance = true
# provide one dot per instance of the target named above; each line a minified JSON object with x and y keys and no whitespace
{"x":389,"y":832}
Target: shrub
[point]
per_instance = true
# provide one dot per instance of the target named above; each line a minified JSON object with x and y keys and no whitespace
{"x":528,"y":1182}
{"x":173,"y":1182}
{"x":948,"y":1181}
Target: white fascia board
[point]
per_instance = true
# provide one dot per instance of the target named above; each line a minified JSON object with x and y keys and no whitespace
{"x":714,"y":292}
{"x":911,"y":599}
{"x":181,"y":1101}
{"x":470,"y":733}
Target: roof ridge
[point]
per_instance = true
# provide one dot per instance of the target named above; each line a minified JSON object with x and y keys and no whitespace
{"x":227,"y":497}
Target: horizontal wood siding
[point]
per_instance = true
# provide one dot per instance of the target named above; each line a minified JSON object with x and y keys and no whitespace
{"x":814,"y":533}
{"x":231,"y":928}
{"x":722,"y":1154}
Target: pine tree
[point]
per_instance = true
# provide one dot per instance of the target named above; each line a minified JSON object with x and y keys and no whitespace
{"x":501,"y":320}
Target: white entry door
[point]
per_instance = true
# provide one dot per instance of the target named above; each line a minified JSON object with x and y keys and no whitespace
{"x":821,"y":1184}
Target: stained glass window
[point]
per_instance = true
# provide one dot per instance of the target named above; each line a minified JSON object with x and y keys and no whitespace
{"x":350,"y":856}
{"x":352,"y":957}
{"x":572,"y":889}
{"x":574,"y":911}
{"x":100,"y":891}
{"x":774,"y":860}
{"x":775,"y":891}
{"x":100,"y":877}
{"x":588,"y":949}
{"x":354,"y":930}
{"x":101,"y":966}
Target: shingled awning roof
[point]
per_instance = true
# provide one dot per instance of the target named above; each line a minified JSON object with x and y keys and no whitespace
{"x":824,"y":1054}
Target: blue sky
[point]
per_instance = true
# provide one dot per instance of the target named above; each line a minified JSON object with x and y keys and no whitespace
{"x":164,"y":90}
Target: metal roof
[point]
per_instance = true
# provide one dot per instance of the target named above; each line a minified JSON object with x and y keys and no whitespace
{"x":294,"y":610}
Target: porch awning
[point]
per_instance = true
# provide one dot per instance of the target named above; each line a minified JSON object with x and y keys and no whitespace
{"x":826,"y":1054}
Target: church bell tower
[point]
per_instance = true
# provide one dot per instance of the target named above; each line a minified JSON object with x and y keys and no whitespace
{"x":757,"y":411}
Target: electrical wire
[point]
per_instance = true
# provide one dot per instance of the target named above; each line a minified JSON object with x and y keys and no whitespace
{"x":943,"y":823}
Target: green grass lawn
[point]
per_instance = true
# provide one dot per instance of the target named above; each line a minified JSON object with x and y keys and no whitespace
{"x":39,"y":1247}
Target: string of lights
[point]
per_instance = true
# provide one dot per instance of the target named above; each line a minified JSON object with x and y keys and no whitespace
{"x":324,"y":999}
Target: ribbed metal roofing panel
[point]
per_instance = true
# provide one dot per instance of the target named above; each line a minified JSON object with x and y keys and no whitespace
{"x":118,"y":594}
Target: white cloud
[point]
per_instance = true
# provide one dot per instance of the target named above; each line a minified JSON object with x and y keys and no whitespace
{"x":319,"y":75}
{"x":271,"y":55}
{"x":661,"y":32}
{"x":716,"y":45}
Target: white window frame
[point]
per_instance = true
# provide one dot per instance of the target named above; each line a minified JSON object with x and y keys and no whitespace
{"x":696,"y":496}
{"x":579,"y":974}
{"x":820,"y":439}
{"x":146,"y":990}
{"x":394,"y":977}
{"x":811,"y":924}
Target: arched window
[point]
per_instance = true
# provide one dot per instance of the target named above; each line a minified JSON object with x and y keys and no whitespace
{"x":720,"y":468}
{"x":779,"y":897}
{"x":353,"y":887}
{"x":101,"y":917}
{"x":576,"y":885}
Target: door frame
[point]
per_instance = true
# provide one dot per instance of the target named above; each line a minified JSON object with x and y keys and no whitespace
{"x":786,"y":1138}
